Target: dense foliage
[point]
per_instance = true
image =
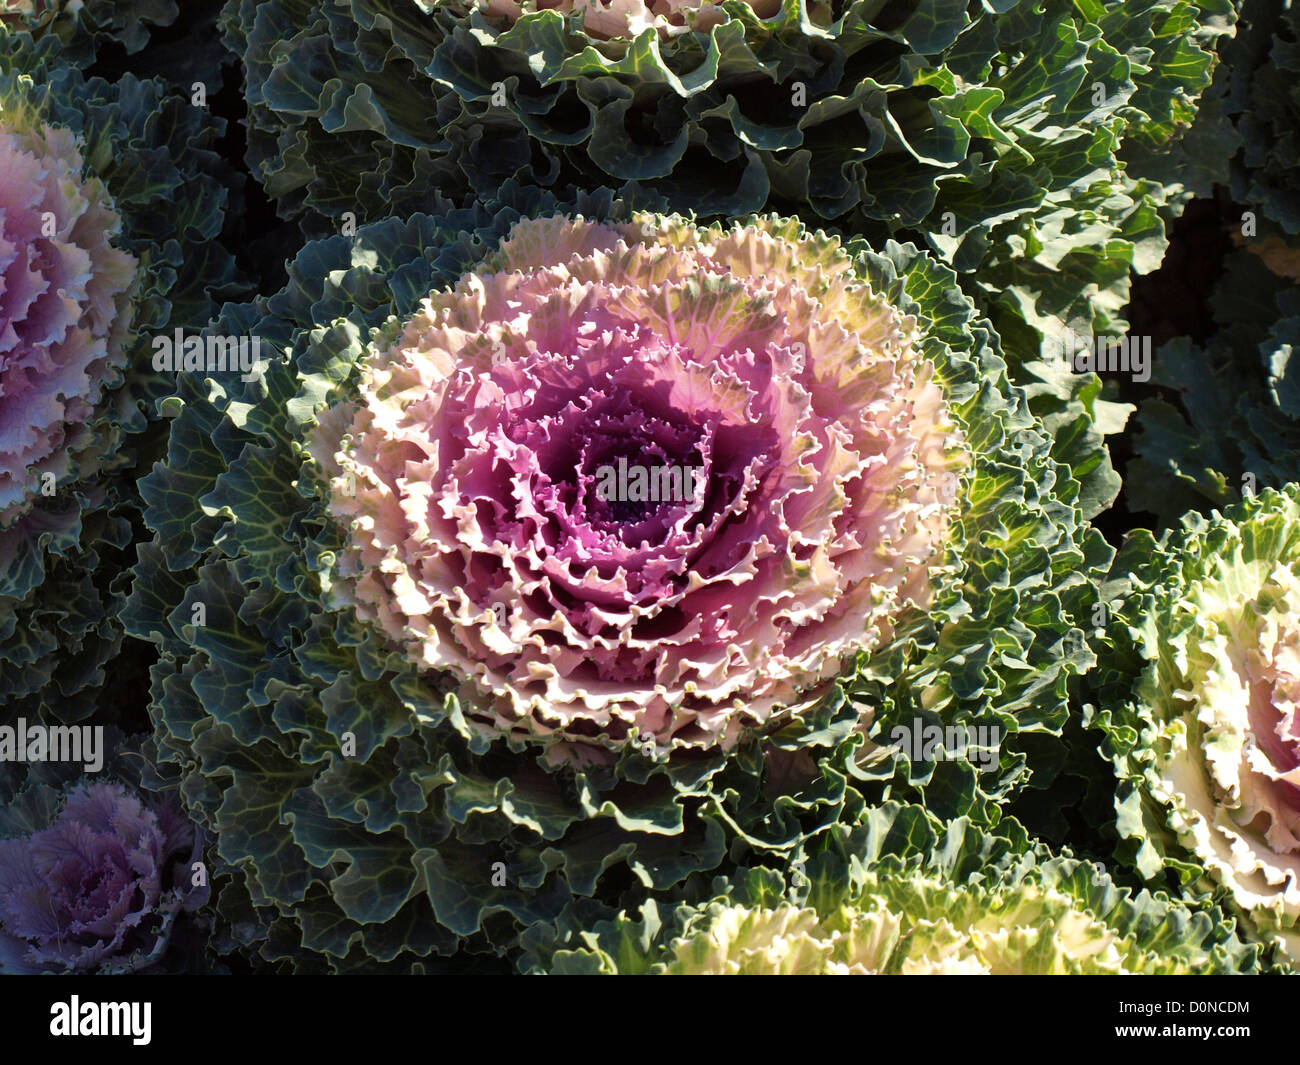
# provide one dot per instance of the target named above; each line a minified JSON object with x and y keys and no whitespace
{"x":899,"y":895}
{"x":626,"y":486}
{"x":1264,"y":100}
{"x":1228,"y":421}
{"x":991,"y":133}
{"x":1207,"y":743}
{"x":83,"y":28}
{"x":112,"y":201}
{"x":551,"y":734}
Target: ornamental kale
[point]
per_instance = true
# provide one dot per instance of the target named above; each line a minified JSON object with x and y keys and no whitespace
{"x":990,"y":132}
{"x":83,"y":27}
{"x":442,"y":686}
{"x":98,"y":249}
{"x":1264,"y":100}
{"x":1206,"y":741}
{"x":96,"y":883}
{"x":1226,"y":423}
{"x":898,"y":896}
{"x":466,"y":471}
{"x":653,"y":522}
{"x":66,"y":300}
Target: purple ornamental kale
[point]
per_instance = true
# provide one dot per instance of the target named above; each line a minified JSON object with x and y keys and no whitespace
{"x":97,"y":889}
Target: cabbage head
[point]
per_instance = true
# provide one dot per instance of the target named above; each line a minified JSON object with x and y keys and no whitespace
{"x":94,"y":879}
{"x":111,"y":203}
{"x":426,"y":684}
{"x":1206,"y":740}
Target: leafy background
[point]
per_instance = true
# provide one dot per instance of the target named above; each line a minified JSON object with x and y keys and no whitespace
{"x":1208,"y":307}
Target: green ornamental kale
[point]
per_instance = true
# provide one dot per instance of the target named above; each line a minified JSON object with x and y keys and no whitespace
{"x":1226,"y":422}
{"x":83,"y":27}
{"x":1263,"y":98}
{"x":904,"y":895}
{"x":145,"y":38}
{"x":427,"y":684}
{"x":989,"y":131}
{"x":1245,"y":133}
